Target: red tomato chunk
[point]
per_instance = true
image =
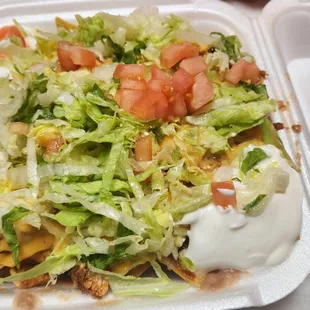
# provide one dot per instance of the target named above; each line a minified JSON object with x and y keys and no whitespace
{"x":224,"y":194}
{"x":171,"y":54}
{"x":143,"y":148}
{"x":72,"y":56}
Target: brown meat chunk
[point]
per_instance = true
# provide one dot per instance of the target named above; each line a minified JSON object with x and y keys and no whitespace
{"x":37,"y":281}
{"x":89,"y":282}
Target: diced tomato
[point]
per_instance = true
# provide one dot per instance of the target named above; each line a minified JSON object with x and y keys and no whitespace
{"x":224,"y":194}
{"x":64,"y":56}
{"x":252,"y":73}
{"x":161,"y":86}
{"x":176,"y":88}
{"x":118,"y":70}
{"x":143,"y":148}
{"x":72,"y":56}
{"x":162,"y":109}
{"x":158,"y":74}
{"x":151,"y":106}
{"x":194,"y":65}
{"x":171,"y":54}
{"x":54,"y":145}
{"x":144,"y":110}
{"x":2,"y":55}
{"x":128,"y":97}
{"x":9,"y":31}
{"x":133,"y":84}
{"x":236,"y":72}
{"x":243,"y":71}
{"x":178,"y":107}
{"x":83,"y":57}
{"x":129,"y":71}
{"x":51,"y":141}
{"x":183,"y":78}
{"x":156,"y":97}
{"x":203,"y":92}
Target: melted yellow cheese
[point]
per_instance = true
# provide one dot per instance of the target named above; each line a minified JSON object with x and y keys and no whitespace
{"x":61,"y":23}
{"x":22,"y":228}
{"x":38,"y":242}
{"x":126,"y":265}
{"x":234,"y":152}
{"x":123,"y":267}
{"x":4,"y":245}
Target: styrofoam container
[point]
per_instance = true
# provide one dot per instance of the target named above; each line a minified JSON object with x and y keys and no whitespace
{"x":279,"y":39}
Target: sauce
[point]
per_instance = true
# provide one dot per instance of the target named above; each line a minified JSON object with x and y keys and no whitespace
{"x":227,"y":239}
{"x":296,"y":128}
{"x":282,"y":105}
{"x":26,"y":301}
{"x":278,"y":126}
{"x":220,"y":279}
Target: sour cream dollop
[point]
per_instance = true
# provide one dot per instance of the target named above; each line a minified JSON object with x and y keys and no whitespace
{"x":225,"y":238}
{"x":5,"y":73}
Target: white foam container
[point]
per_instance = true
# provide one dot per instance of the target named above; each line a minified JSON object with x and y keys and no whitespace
{"x":279,"y":39}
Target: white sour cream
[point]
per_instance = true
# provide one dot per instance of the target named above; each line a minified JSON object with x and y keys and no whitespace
{"x":31,"y":42}
{"x":66,"y":98}
{"x":5,"y":73}
{"x":223,"y":238}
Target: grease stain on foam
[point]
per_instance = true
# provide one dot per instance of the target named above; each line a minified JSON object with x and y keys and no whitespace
{"x":296,"y":128}
{"x":282,"y":105}
{"x":26,"y":301}
{"x":110,"y":302}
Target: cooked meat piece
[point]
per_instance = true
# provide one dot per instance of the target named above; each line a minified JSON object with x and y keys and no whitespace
{"x":188,"y":276}
{"x":89,"y":282}
{"x":37,"y":281}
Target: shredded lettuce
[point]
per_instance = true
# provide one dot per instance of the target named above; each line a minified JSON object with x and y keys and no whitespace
{"x":244,"y":113}
{"x":239,"y":94}
{"x":8,"y":221}
{"x":231,"y":45}
{"x":54,"y":265}
{"x":252,"y":159}
{"x":129,"y":285}
{"x":270,"y":136}
{"x":112,"y":161}
{"x":68,"y":218}
{"x":186,"y":199}
{"x":47,"y":43}
{"x":12,"y":97}
{"x":32,"y":171}
{"x":217,"y":60}
{"x":255,"y":204}
{"x":90,"y":29}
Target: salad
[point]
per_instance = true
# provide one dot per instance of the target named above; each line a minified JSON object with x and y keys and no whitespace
{"x":129,"y":144}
